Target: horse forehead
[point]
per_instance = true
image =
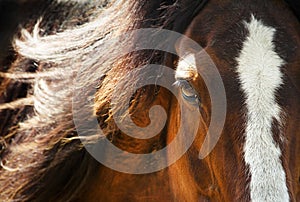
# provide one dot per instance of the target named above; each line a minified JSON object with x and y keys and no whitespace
{"x":258,"y":79}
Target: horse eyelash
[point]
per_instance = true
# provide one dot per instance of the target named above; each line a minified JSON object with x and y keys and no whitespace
{"x":181,"y":83}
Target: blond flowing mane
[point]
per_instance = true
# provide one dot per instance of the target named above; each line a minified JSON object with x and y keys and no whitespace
{"x":41,"y":155}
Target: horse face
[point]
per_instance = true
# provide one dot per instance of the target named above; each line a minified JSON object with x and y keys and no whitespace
{"x":230,"y":172}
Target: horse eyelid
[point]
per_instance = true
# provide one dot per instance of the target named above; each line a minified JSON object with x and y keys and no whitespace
{"x":195,"y":99}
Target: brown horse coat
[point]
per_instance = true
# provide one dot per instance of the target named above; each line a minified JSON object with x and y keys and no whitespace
{"x":42,"y":158}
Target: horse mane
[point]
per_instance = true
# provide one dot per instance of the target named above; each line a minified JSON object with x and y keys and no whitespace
{"x":40,"y":150}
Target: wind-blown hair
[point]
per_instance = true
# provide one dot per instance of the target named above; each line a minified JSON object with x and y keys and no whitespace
{"x":41,"y":155}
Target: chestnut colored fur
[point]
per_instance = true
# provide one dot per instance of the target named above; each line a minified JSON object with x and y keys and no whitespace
{"x":41,"y":156}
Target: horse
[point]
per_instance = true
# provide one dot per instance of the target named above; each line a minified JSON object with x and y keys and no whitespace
{"x":253,"y":44}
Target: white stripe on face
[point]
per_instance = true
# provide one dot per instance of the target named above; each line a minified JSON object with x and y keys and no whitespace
{"x":260,"y":77}
{"x":186,"y":68}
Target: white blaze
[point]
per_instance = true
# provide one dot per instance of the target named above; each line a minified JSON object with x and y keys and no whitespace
{"x":260,"y":77}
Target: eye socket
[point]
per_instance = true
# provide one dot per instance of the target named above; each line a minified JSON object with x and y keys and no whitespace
{"x":189,"y":93}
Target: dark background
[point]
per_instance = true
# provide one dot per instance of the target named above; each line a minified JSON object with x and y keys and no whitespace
{"x":14,"y":13}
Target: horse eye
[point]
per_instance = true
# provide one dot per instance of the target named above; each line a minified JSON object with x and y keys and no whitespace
{"x":189,"y":93}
